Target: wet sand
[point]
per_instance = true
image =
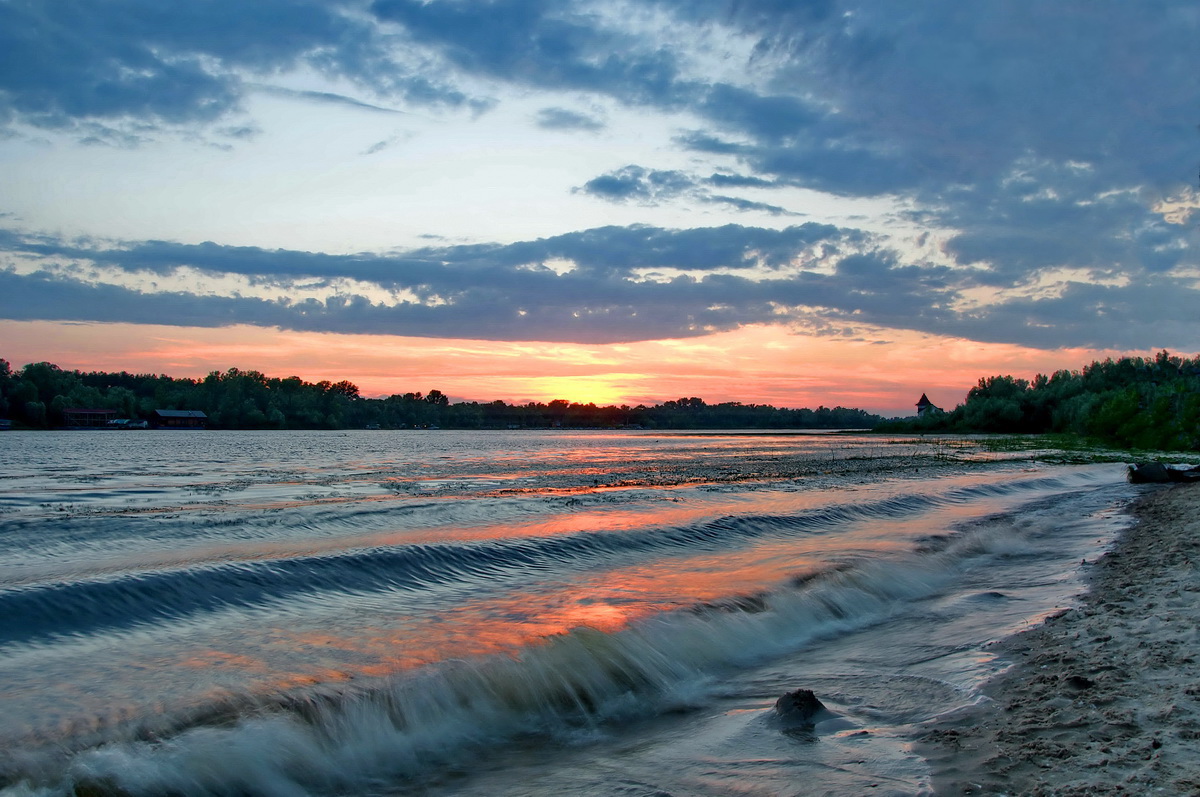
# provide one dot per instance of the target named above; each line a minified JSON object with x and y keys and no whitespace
{"x":1103,"y":698}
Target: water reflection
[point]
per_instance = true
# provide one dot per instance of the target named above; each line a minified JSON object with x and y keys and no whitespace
{"x":644,"y":524}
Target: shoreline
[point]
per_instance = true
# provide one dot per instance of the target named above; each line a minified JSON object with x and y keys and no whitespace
{"x":1103,"y":698}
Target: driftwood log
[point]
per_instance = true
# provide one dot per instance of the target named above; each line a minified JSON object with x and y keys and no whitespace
{"x":1158,"y":473}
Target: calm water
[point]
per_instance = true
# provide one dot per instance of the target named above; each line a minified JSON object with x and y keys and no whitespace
{"x":492,"y":613}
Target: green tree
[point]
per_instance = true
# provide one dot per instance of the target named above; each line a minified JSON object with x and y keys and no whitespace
{"x":35,"y":413}
{"x":6,"y":382}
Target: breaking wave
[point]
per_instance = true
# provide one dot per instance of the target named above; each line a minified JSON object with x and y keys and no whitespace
{"x":105,"y":603}
{"x":413,"y":725}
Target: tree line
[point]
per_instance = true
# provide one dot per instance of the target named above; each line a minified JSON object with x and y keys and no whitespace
{"x":37,"y":396}
{"x":1131,"y":402}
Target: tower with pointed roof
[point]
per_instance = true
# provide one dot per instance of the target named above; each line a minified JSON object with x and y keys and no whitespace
{"x":926,"y":407}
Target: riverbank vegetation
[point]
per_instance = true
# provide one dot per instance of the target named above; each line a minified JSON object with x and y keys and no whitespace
{"x":1132,"y":402}
{"x":38,"y":395}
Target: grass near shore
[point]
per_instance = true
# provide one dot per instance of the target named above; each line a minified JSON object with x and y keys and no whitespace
{"x":1059,"y":449}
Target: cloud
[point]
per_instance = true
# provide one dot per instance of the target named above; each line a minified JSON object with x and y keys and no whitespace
{"x":746,"y":204}
{"x":770,"y":118}
{"x":738,"y":181}
{"x":390,"y":141}
{"x":324,"y":98}
{"x":858,"y":97}
{"x":1033,"y":141}
{"x":135,"y":62}
{"x":1037,"y":136}
{"x":613,"y":250}
{"x":638,"y":183}
{"x":1157,"y":314}
{"x":244,"y":131}
{"x":543,"y":44}
{"x":625,"y":284}
{"x":564,"y":119}
{"x":653,"y":186}
{"x":1037,"y":218}
{"x":495,"y":291}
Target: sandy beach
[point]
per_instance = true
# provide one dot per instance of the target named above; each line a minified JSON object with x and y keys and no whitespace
{"x":1103,"y":698}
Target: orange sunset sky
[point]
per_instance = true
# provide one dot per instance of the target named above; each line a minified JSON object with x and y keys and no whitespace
{"x":758,"y":364}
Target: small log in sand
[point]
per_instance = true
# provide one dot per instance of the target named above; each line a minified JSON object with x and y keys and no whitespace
{"x":1102,"y":699}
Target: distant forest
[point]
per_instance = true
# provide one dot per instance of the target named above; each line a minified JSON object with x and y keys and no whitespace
{"x":37,"y":395}
{"x":1132,"y":402}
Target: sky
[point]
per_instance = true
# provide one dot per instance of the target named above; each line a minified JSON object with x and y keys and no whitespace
{"x":821,"y":202}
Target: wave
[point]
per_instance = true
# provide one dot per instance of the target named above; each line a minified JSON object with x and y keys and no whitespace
{"x":413,"y":726}
{"x":44,"y":612}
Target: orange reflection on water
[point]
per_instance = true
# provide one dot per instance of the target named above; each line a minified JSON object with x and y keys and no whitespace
{"x":222,"y":659}
{"x":507,"y":623}
{"x":384,"y":633}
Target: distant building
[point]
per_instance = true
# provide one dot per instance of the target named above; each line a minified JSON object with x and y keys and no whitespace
{"x":79,"y":418}
{"x":927,"y":407}
{"x":180,"y":419}
{"x":128,"y":423}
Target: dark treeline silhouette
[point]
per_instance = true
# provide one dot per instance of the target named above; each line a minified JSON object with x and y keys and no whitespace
{"x":38,"y":395}
{"x":1133,"y":402}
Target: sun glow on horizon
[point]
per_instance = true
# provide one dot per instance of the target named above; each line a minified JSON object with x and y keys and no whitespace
{"x":606,"y":390}
{"x":881,"y":371}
